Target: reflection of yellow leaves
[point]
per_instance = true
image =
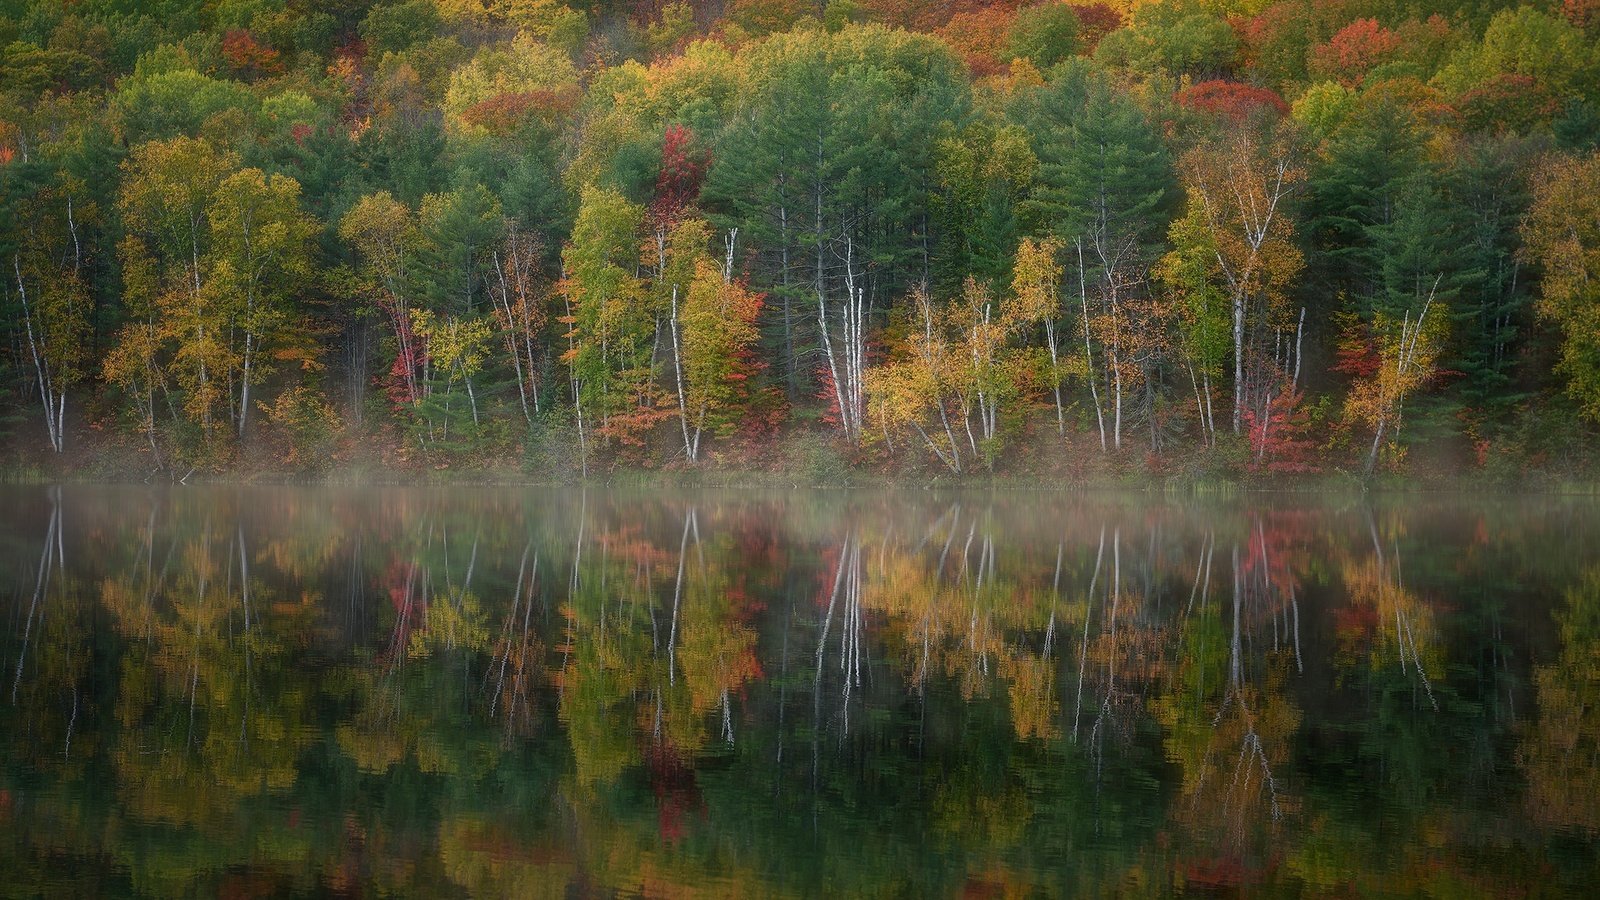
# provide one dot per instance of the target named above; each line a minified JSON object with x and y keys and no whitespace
{"x":717,"y":657}
{"x":1032,"y":691}
{"x":372,"y":751}
{"x":1559,"y":750}
{"x":488,"y":864}
{"x":451,"y":625}
{"x":992,"y":819}
{"x":1402,"y":623}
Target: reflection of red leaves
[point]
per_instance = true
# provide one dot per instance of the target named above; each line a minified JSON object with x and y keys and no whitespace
{"x":399,"y":581}
{"x":1356,"y":620}
{"x":1221,"y":872}
{"x":672,"y":780}
{"x":827,"y":572}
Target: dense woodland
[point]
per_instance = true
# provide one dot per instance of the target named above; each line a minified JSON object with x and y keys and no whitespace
{"x":1187,"y":237}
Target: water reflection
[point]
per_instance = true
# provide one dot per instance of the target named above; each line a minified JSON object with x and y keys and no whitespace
{"x":531,"y":693}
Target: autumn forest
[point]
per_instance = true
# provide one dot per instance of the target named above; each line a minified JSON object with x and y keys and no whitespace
{"x":1236,"y":239}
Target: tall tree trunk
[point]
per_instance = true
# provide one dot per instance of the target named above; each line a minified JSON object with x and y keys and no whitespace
{"x":1088,"y":355}
{"x":689,"y":446}
{"x":54,"y":406}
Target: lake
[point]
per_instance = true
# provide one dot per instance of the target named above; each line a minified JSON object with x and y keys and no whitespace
{"x":519,"y":692}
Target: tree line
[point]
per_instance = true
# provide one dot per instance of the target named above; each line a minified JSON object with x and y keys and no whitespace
{"x":932,"y":236}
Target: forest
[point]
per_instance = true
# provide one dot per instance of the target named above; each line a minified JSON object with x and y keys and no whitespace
{"x":1235,"y":239}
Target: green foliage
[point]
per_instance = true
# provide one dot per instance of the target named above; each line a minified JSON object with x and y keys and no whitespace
{"x":1527,"y":41}
{"x":167,"y":104}
{"x":393,"y":27}
{"x":1045,"y":33}
{"x":1197,"y":44}
{"x":1102,"y":166}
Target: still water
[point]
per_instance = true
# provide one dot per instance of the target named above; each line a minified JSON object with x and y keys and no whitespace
{"x":252,"y":692}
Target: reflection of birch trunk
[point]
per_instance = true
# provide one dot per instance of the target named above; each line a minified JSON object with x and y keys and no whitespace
{"x":677,"y":597}
{"x":1083,"y":646}
{"x":244,"y":601}
{"x":1394,"y":592}
{"x":1251,"y":751}
{"x":1114,"y":590}
{"x":41,"y":583}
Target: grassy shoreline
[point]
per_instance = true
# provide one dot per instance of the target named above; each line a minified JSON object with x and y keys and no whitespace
{"x":845,"y":478}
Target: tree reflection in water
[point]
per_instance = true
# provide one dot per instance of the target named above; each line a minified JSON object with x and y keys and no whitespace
{"x":547,"y":692}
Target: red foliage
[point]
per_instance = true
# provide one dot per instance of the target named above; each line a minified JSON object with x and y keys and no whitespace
{"x":1353,"y":51}
{"x":245,"y":54}
{"x":1271,"y":26}
{"x":1507,"y":102}
{"x":1095,"y":21}
{"x":504,"y":113}
{"x":409,"y":358}
{"x":682,"y":170}
{"x":1279,"y":440}
{"x":1357,"y":354}
{"x":1232,"y":100}
{"x":980,"y":37}
{"x":1582,"y":13}
{"x":353,"y":48}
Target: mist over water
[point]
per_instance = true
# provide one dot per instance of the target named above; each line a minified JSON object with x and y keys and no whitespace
{"x":509,"y":692}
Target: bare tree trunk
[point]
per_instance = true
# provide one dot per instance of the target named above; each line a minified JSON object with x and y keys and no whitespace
{"x":1088,"y":355}
{"x":1299,"y":335}
{"x":511,"y":337}
{"x":677,"y":368}
{"x":54,"y":403}
{"x":1238,"y":359}
{"x":1055,"y":374}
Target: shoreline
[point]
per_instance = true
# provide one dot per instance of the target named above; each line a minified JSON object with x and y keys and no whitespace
{"x":1331,"y":484}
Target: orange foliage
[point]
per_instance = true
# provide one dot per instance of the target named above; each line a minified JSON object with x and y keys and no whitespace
{"x":1582,"y":13}
{"x":1231,"y":100}
{"x":505,"y":112}
{"x":1507,"y":102}
{"x":1353,"y":51}
{"x":1095,"y":21}
{"x":980,"y":37}
{"x":245,"y":54}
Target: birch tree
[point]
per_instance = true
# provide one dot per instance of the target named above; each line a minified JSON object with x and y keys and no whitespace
{"x":261,"y":257}
{"x":1238,"y":227}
